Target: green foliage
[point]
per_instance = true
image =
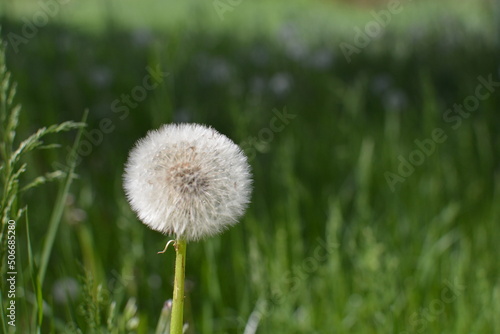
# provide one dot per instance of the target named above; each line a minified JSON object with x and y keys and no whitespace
{"x":327,"y":245}
{"x":100,"y":313}
{"x":12,"y":169}
{"x":11,"y":166}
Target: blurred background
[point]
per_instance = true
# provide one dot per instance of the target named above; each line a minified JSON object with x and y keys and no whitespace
{"x":372,"y":129}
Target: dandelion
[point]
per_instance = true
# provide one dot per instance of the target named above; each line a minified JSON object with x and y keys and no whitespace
{"x":187,"y":180}
{"x":190,"y":181}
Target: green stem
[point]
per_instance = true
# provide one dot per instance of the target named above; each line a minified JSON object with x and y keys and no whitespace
{"x":177,"y":322}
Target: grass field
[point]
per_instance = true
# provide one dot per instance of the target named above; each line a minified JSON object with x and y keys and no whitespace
{"x":376,"y":202}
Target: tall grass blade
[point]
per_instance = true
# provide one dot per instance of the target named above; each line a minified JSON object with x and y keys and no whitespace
{"x":57,"y":212}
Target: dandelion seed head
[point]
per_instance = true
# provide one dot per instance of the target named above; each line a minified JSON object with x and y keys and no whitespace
{"x":188,"y":180}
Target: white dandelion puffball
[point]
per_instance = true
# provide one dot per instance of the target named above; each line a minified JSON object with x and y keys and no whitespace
{"x":188,"y":180}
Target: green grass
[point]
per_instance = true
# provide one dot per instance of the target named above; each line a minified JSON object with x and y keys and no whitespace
{"x":326,"y":246}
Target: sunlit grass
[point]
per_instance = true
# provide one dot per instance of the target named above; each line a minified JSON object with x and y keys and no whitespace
{"x":250,"y":18}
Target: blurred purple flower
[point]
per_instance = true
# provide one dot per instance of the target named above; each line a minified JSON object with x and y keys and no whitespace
{"x":65,"y":289}
{"x":142,"y":37}
{"x":280,"y":83}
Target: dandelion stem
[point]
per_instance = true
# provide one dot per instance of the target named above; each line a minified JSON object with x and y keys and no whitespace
{"x":177,"y":323}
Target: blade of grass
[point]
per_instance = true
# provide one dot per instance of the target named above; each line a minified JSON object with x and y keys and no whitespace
{"x":37,"y":312}
{"x":2,"y":314}
{"x":163,"y":326}
{"x":57,"y":212}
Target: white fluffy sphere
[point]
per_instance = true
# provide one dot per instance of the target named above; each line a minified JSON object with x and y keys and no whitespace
{"x":188,"y":180}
